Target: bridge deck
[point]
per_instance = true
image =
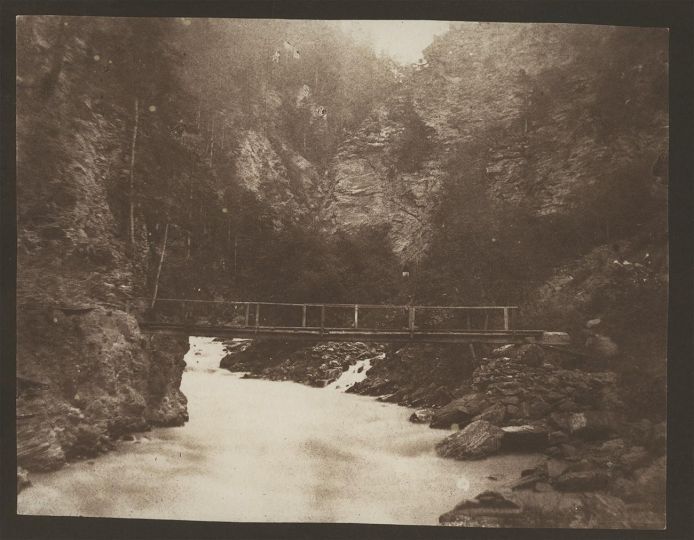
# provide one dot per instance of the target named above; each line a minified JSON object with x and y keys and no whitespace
{"x":342,"y":334}
{"x":335,"y":322}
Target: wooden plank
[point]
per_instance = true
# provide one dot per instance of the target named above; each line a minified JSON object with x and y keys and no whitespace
{"x":346,"y":335}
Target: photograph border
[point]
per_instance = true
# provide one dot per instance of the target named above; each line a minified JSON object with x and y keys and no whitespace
{"x":676,"y":15}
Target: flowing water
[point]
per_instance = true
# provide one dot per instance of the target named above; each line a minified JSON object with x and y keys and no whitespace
{"x":258,"y":450}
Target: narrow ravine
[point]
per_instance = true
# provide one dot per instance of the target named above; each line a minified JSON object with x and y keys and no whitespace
{"x":257,"y":450}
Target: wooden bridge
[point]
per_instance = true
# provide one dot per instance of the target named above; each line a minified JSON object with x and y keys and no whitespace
{"x":338,"y":322}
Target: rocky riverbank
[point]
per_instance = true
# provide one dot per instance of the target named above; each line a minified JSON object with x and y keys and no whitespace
{"x":613,"y":467}
{"x":602,"y":468}
{"x":316,"y":365}
{"x":90,"y":381}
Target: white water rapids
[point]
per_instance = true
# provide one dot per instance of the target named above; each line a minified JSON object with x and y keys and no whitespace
{"x":258,"y":450}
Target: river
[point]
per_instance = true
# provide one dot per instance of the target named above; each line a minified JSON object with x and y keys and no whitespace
{"x":258,"y":450}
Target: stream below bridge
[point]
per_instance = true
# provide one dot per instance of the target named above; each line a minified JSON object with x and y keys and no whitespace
{"x":257,"y":450}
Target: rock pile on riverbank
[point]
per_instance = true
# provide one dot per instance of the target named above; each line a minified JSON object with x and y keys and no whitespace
{"x":316,"y":365}
{"x":419,"y":375}
{"x":521,"y":402}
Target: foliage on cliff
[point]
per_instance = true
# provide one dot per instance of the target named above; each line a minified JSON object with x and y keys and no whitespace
{"x":561,"y":132}
{"x":554,"y":193}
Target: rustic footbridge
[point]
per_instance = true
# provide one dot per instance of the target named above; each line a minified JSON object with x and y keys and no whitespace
{"x":337,"y":322}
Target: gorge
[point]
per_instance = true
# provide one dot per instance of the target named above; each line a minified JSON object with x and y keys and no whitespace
{"x":521,"y":164}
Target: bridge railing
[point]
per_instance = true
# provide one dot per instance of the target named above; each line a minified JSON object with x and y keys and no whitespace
{"x":246,"y":314}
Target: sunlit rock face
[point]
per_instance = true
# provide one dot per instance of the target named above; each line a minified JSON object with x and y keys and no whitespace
{"x":368,"y":184}
{"x":277,"y":174}
{"x":526,"y":109}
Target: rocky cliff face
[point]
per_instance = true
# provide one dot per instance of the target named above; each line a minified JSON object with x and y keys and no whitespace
{"x":526,"y":109}
{"x":387,"y":172}
{"x":85,"y":373}
{"x":86,"y":376}
{"x":277,"y":175}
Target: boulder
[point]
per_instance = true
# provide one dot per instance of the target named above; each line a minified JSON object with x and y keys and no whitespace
{"x":459,"y":411}
{"x":440,"y":396}
{"x":530,"y":355}
{"x":489,"y":508}
{"x":39,"y":449}
{"x":581,"y":480}
{"x":538,"y":408}
{"x":530,"y":477}
{"x":609,"y":399}
{"x":602,"y":346}
{"x":478,"y":440}
{"x":422,"y":416}
{"x":553,"y":451}
{"x":640,"y":432}
{"x":604,"y":378}
{"x":567,"y":405}
{"x":504,"y":350}
{"x":553,"y":396}
{"x":525,"y":438}
{"x":494,"y":414}
{"x":558,"y":437}
{"x":22,"y":479}
{"x":560,"y":420}
{"x":555,"y":467}
{"x":634,"y":458}
{"x":568,"y":451}
{"x":626,"y":489}
{"x":592,"y":424}
{"x":493,"y":499}
{"x":651,"y":480}
{"x":604,"y":511}
{"x":613,"y":446}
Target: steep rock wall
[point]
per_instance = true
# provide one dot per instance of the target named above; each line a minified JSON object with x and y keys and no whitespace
{"x":85,"y":373}
{"x":375,"y":177}
{"x":545,"y":117}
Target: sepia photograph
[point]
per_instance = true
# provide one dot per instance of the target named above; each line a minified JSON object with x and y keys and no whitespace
{"x":395,"y":272}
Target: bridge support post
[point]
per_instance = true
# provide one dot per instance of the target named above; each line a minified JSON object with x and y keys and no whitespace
{"x":472,"y":345}
{"x":248,"y":313}
{"x":303,"y":315}
{"x":257,"y":316}
{"x":410,"y":322}
{"x":506,"y":319}
{"x":356,"y":316}
{"x":322,"y":319}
